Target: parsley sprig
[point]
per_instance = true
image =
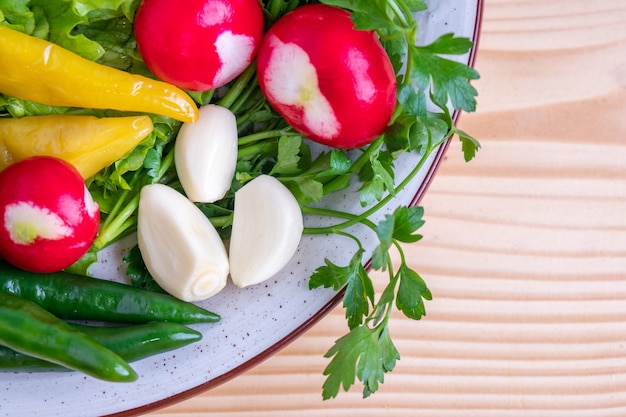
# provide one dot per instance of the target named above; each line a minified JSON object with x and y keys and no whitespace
{"x":367,"y":351}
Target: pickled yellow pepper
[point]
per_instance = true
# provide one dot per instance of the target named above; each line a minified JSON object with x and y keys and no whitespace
{"x":87,"y":142}
{"x":36,"y":70}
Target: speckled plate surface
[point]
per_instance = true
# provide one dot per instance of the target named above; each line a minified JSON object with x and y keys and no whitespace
{"x":256,"y":321}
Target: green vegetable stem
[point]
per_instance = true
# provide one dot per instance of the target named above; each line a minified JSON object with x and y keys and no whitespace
{"x":27,"y":328}
{"x":76,"y":297}
{"x":131,"y":343}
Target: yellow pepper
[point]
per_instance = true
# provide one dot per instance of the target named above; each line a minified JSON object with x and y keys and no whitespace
{"x":87,"y":142}
{"x":36,"y":70}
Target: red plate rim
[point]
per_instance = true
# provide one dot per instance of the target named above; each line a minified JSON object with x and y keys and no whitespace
{"x":328,"y":307}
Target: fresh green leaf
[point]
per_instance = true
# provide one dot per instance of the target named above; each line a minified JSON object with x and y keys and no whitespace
{"x":396,"y":47}
{"x":411,"y":293}
{"x":364,"y":353}
{"x":138,"y":273}
{"x":329,"y":276}
{"x":306,"y":189}
{"x":449,"y":78}
{"x":384,"y":230}
{"x":377,"y":178}
{"x":288,"y":155}
{"x":449,"y":44}
{"x":416,"y":5}
{"x":399,"y":226}
{"x":345,"y":354}
{"x":339,"y":164}
{"x":359,"y":292}
{"x":386,"y":362}
{"x":469,"y":145}
{"x":359,"y":288}
{"x":366,"y":14}
{"x":63,"y":17}
{"x":406,"y":221}
{"x":17,"y":15}
{"x":412,"y":101}
{"x":428,"y":133}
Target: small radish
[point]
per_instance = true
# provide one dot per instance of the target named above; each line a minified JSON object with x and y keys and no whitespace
{"x":48,"y":218}
{"x":198,"y":44}
{"x":206,"y":154}
{"x":331,"y":82}
{"x":267,"y":228}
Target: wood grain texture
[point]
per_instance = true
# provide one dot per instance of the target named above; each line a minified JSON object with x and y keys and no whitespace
{"x":524,"y":248}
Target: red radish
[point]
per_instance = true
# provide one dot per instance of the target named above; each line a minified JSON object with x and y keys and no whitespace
{"x":47,"y":216}
{"x":198,"y":44}
{"x":331,"y":82}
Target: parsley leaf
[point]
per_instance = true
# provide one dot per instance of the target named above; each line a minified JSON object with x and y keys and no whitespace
{"x":377,"y":177}
{"x":365,"y":353}
{"x":411,"y":293}
{"x":138,"y":273}
{"x":406,"y":221}
{"x":359,"y":290}
{"x":330,"y":275}
{"x":288,"y":155}
{"x":359,"y":293}
{"x":399,"y":226}
{"x":469,"y":145}
{"x":449,"y":78}
{"x":366,"y":14}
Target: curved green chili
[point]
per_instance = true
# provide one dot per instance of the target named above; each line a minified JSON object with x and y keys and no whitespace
{"x":76,"y":297}
{"x":27,"y":328}
{"x":131,"y":343}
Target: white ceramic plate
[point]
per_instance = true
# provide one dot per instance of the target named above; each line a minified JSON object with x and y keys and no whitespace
{"x":256,"y":321}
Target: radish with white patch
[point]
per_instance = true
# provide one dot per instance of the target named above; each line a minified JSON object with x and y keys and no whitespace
{"x":48,"y":218}
{"x":333,"y":83}
{"x":198,"y":44}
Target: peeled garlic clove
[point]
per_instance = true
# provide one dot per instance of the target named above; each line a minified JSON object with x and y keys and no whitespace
{"x":181,"y":249}
{"x":206,"y":154}
{"x":266,"y":231}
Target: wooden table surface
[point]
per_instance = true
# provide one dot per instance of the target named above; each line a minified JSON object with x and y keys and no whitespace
{"x":524,"y":248}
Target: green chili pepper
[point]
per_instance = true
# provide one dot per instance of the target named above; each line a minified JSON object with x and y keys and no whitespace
{"x":131,"y":343}
{"x":27,"y":328}
{"x":76,"y":297}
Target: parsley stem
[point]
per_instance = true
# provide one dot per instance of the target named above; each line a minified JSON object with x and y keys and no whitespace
{"x":166,"y":164}
{"x":121,"y":220}
{"x":338,"y":182}
{"x":400,"y":10}
{"x":274,"y":8}
{"x":238,"y":86}
{"x":332,"y":213}
{"x":244,"y":96}
{"x":267,"y":134}
{"x":120,"y":202}
{"x":253,"y":150}
{"x":221,"y":221}
{"x":400,"y":251}
{"x":109,"y":234}
{"x":363,"y":217}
